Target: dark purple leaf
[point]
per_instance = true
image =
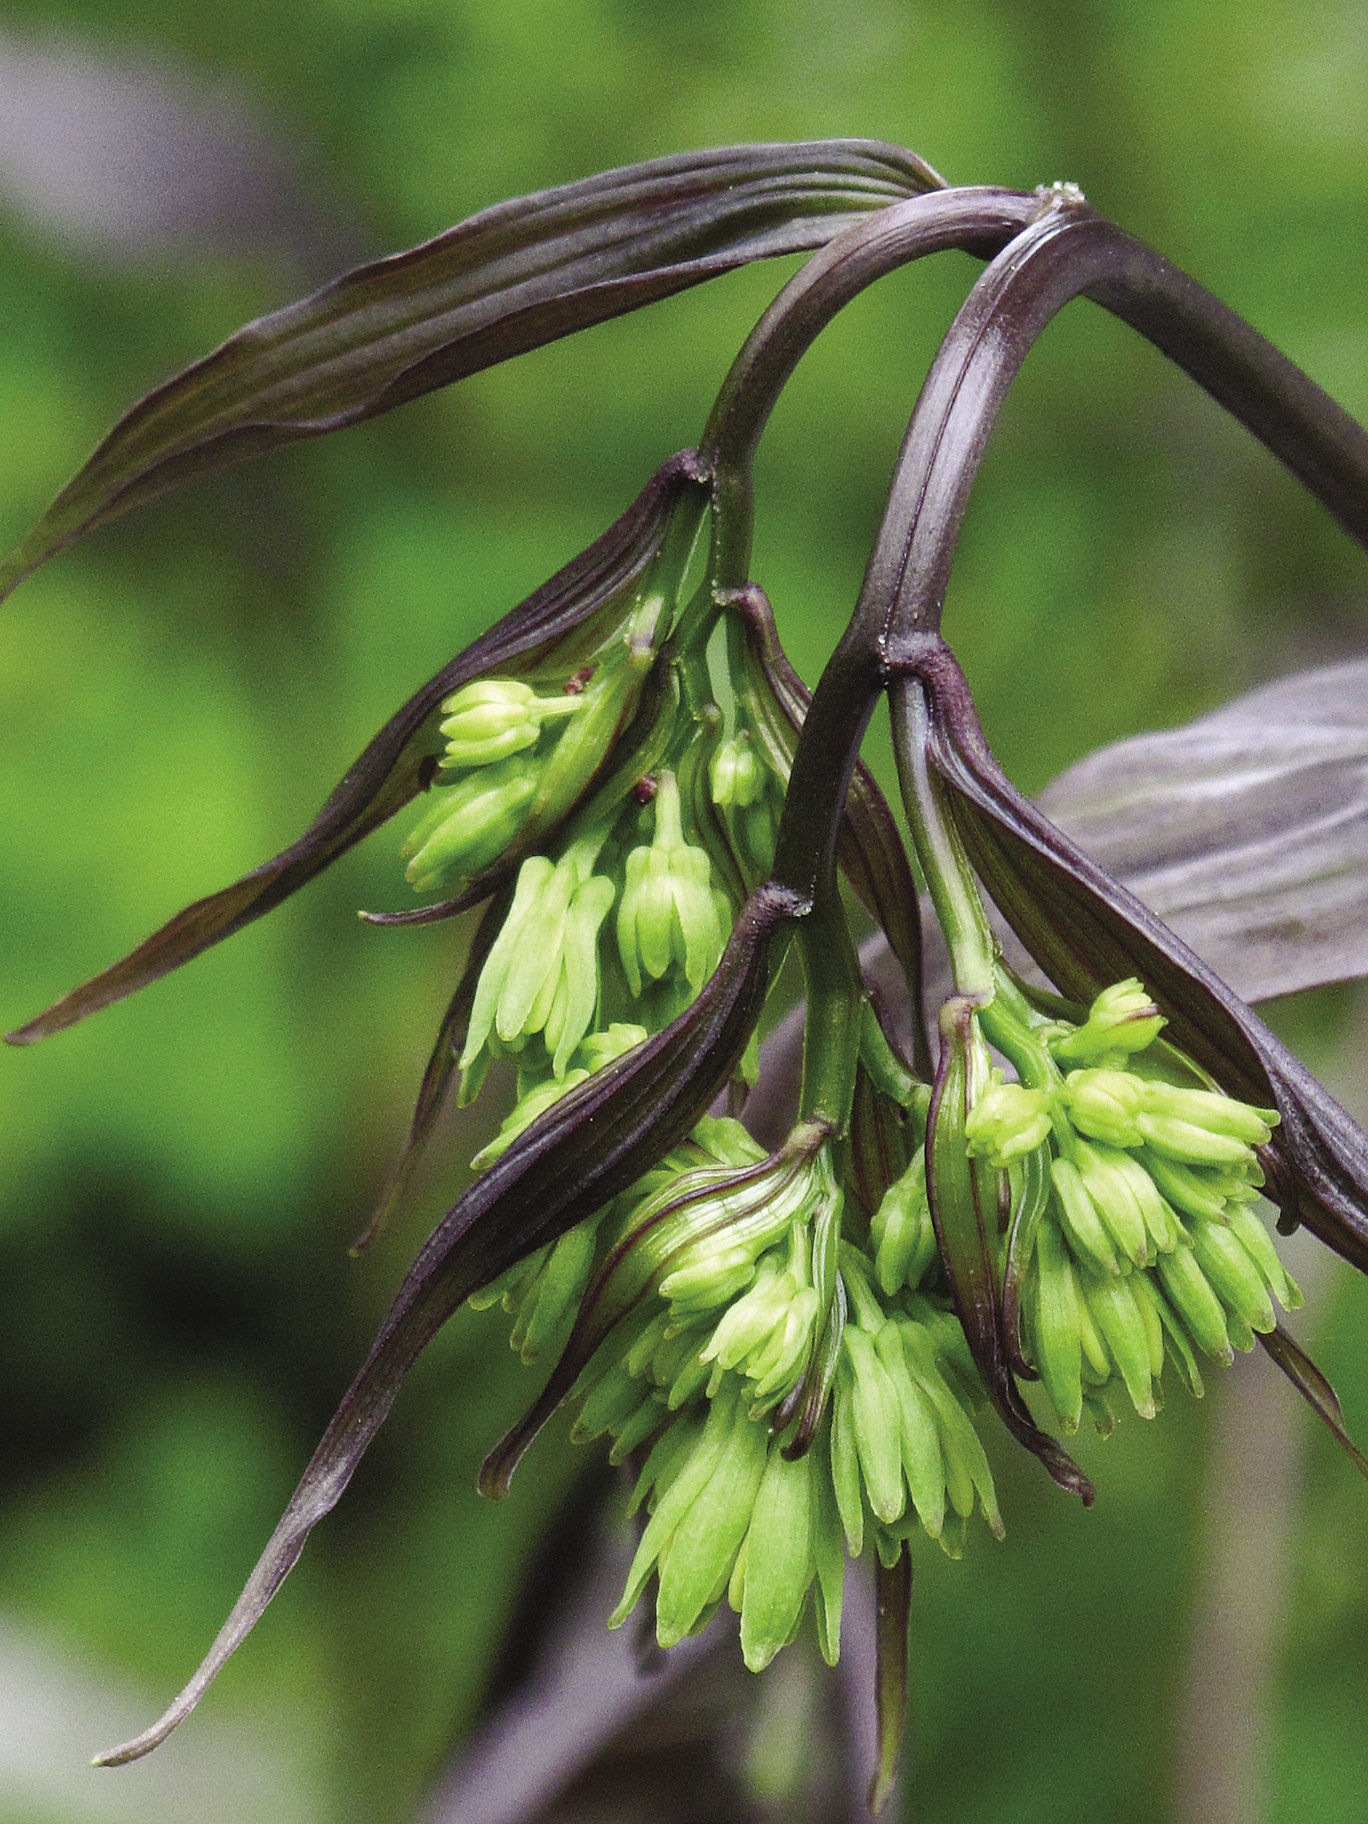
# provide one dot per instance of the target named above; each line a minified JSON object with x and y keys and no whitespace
{"x":1312,"y":1385}
{"x":506,"y":280}
{"x":1246,"y":831}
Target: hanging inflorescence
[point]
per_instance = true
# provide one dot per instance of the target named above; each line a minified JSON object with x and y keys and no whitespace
{"x":1023,"y":1205}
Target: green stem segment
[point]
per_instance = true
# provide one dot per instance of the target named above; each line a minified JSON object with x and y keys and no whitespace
{"x":935,"y":841}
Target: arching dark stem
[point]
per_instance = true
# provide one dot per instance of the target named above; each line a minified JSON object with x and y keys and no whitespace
{"x":978,"y":221}
{"x":1069,"y":250}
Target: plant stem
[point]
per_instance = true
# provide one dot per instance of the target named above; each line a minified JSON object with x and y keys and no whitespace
{"x":949,"y":878}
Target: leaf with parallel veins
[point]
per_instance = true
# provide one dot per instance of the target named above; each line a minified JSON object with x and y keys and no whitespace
{"x":507,"y":280}
{"x":1246,"y":830}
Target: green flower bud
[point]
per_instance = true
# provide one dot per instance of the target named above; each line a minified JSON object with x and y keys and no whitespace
{"x":1104,"y":1104}
{"x":714,"y":1271}
{"x":541,"y":974}
{"x":1123,"y":1018}
{"x":633,"y":1432}
{"x":1128,"y":1335}
{"x":491,"y":718}
{"x":1202,"y":1127}
{"x":777,"y":1558}
{"x":765,"y":1335}
{"x":668,"y":916}
{"x":1245,"y":1225}
{"x":639,"y":1357}
{"x":524,"y":1112}
{"x":922,"y":1461}
{"x":1007,"y":1120}
{"x":756,"y":831}
{"x":1176,"y":1343}
{"x":1233,"y":1274}
{"x":547,"y":1309}
{"x":614,"y":1398}
{"x":1079,"y":1219}
{"x":577,"y":988}
{"x":1053,"y":1308}
{"x":1120,"y":1197}
{"x":1195,"y":1193}
{"x":901,"y":1231}
{"x":599,"y":1049}
{"x":828,"y":1553}
{"x":693,"y":1535}
{"x":1216,"y":1113}
{"x":863,"y":1381}
{"x":704,"y":1229}
{"x":775,"y":1366}
{"x":737,"y":773}
{"x":1192,"y":1144}
{"x":469,"y":825}
{"x":845,"y":1461}
{"x":967,"y":1474}
{"x":675,"y":1364}
{"x":1195,"y":1304}
{"x":1161,"y":1225}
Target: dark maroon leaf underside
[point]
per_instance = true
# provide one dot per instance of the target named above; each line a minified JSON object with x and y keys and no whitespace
{"x":505,"y":281}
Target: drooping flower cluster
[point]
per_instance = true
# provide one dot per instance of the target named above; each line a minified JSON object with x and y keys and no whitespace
{"x":796,"y":1349}
{"x":1135,"y":1238}
{"x":773,"y":1340}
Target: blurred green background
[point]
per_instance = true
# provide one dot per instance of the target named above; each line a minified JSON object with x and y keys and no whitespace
{"x":178,"y":1311}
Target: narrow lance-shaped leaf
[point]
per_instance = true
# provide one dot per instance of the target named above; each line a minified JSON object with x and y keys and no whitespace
{"x":401,"y":760}
{"x":1245,"y":830}
{"x":588,"y":1146}
{"x":506,"y":280}
{"x":1086,"y":931}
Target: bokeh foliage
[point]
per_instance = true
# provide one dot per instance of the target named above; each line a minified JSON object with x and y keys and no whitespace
{"x":177,"y":1309}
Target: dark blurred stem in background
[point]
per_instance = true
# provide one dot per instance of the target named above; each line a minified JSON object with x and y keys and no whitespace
{"x":1228,"y":1708}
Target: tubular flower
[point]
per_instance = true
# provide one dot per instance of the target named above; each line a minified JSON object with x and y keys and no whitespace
{"x":668,"y":917}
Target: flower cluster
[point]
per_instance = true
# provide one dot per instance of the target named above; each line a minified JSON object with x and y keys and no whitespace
{"x":774,"y":1341}
{"x":1135,"y":1239}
